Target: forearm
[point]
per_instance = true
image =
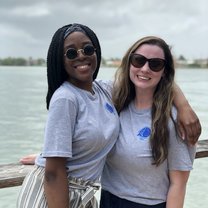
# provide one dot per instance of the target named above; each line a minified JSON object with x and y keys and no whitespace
{"x":179,"y":98}
{"x":56,"y":184}
{"x":57,"y":193}
{"x":188,"y":123}
{"x":176,"y":195}
{"x":177,"y":189}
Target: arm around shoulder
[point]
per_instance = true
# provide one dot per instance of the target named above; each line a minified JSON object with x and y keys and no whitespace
{"x":187,"y":121}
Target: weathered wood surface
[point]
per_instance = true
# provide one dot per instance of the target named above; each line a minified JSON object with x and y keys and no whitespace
{"x":202,"y":149}
{"x":14,"y":174}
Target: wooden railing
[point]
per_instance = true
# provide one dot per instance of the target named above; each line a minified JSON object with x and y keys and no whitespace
{"x":13,"y":174}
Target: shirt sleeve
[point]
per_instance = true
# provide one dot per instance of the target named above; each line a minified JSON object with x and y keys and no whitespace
{"x":180,"y":154}
{"x":59,"y":129}
{"x":107,"y":85}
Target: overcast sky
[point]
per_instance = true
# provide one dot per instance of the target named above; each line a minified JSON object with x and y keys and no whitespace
{"x":26,"y":26}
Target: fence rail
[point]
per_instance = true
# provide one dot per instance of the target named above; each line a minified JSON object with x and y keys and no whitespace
{"x":13,"y":174}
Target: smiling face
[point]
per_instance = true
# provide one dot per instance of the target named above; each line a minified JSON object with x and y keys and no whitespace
{"x":81,"y":68}
{"x":144,"y":78}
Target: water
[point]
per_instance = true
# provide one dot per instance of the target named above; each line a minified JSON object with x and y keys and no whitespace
{"x":23,"y":114}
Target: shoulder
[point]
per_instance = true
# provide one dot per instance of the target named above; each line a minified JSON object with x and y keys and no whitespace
{"x":106,"y":85}
{"x":181,"y":155}
{"x":64,"y":93}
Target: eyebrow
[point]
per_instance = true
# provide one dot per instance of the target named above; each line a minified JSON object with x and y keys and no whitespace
{"x":73,"y":45}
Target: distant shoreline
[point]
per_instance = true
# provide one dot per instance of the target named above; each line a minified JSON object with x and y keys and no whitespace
{"x":180,"y":62}
{"x":108,"y":66}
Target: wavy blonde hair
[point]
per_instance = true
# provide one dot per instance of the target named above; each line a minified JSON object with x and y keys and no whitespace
{"x":124,"y":93}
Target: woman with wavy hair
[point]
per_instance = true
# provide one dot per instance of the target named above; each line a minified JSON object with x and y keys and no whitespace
{"x":149,"y":165}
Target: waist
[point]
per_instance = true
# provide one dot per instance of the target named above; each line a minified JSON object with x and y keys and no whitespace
{"x":110,"y":200}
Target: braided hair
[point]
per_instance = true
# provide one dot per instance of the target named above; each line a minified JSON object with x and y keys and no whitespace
{"x":56,"y":73}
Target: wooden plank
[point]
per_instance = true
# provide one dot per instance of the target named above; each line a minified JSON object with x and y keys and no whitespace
{"x":202,"y":149}
{"x":13,"y":174}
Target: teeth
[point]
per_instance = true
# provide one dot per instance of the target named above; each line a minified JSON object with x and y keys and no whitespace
{"x":141,"y":77}
{"x":82,"y":67}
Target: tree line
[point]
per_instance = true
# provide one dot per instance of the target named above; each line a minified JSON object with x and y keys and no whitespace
{"x":11,"y":61}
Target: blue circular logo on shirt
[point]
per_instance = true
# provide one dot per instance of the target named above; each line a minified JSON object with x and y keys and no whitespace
{"x":144,"y":133}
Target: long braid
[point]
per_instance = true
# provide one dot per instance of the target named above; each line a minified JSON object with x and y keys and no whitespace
{"x":56,"y":73}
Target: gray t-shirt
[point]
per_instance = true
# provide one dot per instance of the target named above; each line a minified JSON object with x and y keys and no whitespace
{"x":82,"y":128}
{"x":128,"y":172}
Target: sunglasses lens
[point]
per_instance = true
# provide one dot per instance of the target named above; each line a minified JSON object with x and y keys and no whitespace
{"x":156,"y":64}
{"x":137,"y":60}
{"x":89,"y":50}
{"x":71,"y":53}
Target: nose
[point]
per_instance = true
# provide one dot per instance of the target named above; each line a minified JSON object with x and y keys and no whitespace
{"x":80,"y":53}
{"x":145,"y":68}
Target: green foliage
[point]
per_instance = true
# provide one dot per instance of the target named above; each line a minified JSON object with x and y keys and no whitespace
{"x":181,"y":58}
{"x":10,"y":61}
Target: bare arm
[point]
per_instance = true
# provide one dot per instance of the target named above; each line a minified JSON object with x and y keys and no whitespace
{"x":177,"y":189}
{"x":56,"y":183}
{"x":188,"y":123}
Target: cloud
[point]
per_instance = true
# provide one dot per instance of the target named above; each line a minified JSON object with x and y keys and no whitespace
{"x":38,"y":10}
{"x":27,"y":26}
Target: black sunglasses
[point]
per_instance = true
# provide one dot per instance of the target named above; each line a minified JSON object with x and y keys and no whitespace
{"x":155,"y":64}
{"x":87,"y":50}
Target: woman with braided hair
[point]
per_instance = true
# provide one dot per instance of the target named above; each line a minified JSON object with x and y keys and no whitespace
{"x":77,"y":139}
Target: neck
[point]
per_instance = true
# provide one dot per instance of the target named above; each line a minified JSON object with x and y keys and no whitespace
{"x":143,"y":99}
{"x":84,"y":86}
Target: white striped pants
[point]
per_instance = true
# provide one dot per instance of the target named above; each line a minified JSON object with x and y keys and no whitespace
{"x":32,"y":192}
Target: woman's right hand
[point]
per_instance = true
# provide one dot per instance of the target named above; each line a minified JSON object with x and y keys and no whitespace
{"x":29,"y":159}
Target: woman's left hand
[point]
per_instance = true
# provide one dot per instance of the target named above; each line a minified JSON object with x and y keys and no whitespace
{"x":29,"y":159}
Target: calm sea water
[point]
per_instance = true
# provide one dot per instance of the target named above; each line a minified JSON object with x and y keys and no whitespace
{"x":23,"y":114}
